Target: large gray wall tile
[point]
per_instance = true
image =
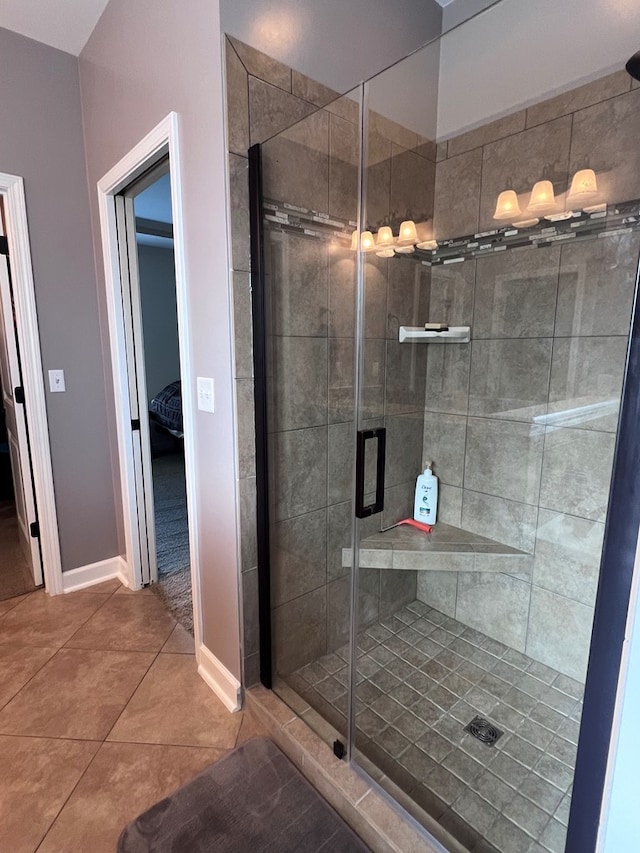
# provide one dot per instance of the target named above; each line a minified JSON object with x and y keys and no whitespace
{"x":298,"y":471}
{"x":408,"y":295}
{"x":613,"y":155}
{"x":451,"y":295}
{"x":510,"y":378}
{"x":579,"y":98}
{"x":504,"y":458}
{"x":310,"y":90}
{"x":457,"y":199}
{"x":341,"y":461}
{"x":576,"y":472}
{"x":298,"y":383}
{"x":295,"y":164}
{"x":404,"y":448}
{"x":397,"y":588}
{"x":300,"y":631}
{"x":246,"y":428}
{"x":406,"y":368}
{"x":450,"y":504}
{"x":250,"y":629}
{"x":447,"y":386}
{"x":341,"y":379}
{"x":490,"y":132}
{"x":339,"y":532}
{"x":568,"y":552}
{"x":444,"y":443}
{"x":376,"y":284}
{"x":412,"y":186}
{"x":516,"y":294}
{"x":261,"y":65}
{"x":271,"y":110}
{"x":248,"y":523}
{"x":242,"y":326}
{"x":237,"y":102}
{"x":378,"y":174}
{"x":298,"y":556}
{"x":539,"y":153}
{"x":588,"y":372}
{"x":299,"y":279}
{"x":338,"y":613}
{"x":439,"y":590}
{"x":495,"y":604}
{"x":505,"y":521}
{"x":559,"y":632}
{"x":344,"y":159}
{"x":342,"y":294}
{"x":239,"y":211}
{"x":597,"y":283}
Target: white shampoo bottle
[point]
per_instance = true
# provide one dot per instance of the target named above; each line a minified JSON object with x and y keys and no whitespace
{"x":425,"y":506}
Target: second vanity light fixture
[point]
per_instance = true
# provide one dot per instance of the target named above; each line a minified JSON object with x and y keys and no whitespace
{"x":385,"y":245}
{"x":542,"y":201}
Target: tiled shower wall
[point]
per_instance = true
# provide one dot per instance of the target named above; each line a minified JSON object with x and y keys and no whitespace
{"x":549,"y":335}
{"x":311,"y":353}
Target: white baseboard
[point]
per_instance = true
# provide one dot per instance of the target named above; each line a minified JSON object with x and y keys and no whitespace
{"x":225,"y":685}
{"x":94,"y":573}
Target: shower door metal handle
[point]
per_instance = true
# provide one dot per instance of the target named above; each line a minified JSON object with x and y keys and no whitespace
{"x":363,"y":436}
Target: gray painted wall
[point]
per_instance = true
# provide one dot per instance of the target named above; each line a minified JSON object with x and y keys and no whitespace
{"x":159,"y":317}
{"x":132,"y":75}
{"x":339,"y":44}
{"x":41,"y":140}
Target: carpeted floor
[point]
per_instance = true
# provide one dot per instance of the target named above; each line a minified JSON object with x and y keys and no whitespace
{"x":15,"y":572}
{"x":172,"y":537}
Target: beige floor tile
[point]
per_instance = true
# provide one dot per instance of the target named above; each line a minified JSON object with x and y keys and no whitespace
{"x":17,"y":665}
{"x":124,"y":780}
{"x":250,"y":727}
{"x":37,"y":776}
{"x":180,"y":642}
{"x":173,"y":705}
{"x":104,"y":588}
{"x":77,"y":694}
{"x":44,"y":620}
{"x":9,"y":603}
{"x":126,"y":623}
{"x":124,"y":590}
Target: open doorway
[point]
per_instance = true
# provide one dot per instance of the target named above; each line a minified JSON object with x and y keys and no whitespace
{"x":20,"y":557}
{"x":162,"y":403}
{"x":133,"y":302}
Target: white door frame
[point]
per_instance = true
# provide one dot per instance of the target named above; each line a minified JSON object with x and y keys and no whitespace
{"x":162,"y":140}
{"x":12,"y":191}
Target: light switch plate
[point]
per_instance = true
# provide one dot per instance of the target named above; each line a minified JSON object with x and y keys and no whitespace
{"x":56,"y":380}
{"x":206,"y":402}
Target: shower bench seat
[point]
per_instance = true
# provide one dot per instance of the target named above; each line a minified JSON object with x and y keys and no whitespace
{"x":445,"y":549}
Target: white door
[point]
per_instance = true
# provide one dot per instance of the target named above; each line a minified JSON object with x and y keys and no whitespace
{"x":16,"y":423}
{"x":134,"y":342}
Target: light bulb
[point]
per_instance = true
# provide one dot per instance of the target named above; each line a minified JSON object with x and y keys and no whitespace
{"x":507,"y":206}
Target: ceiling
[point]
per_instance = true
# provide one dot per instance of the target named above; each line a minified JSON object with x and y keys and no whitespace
{"x":65,"y":24}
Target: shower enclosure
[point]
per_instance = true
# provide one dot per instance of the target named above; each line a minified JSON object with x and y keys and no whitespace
{"x":450,"y":666}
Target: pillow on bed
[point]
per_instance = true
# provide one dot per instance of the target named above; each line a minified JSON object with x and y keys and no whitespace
{"x":167,"y":406}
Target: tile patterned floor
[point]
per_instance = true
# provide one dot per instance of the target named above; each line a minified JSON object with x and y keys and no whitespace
{"x":422,"y":677}
{"x":102,"y":714}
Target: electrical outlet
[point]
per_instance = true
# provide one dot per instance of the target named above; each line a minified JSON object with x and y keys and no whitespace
{"x":206,"y":402}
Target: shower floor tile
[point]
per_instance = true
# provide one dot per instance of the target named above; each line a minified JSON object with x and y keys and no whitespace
{"x":422,"y":676}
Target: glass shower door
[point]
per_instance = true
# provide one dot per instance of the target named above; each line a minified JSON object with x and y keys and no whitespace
{"x":310,"y":189}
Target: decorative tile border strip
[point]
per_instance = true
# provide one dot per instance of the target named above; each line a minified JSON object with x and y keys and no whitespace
{"x":617,"y":219}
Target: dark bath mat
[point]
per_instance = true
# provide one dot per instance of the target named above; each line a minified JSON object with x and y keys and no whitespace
{"x":253,"y":799}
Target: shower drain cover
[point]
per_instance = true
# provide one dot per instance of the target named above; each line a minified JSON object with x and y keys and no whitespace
{"x":483,"y":730}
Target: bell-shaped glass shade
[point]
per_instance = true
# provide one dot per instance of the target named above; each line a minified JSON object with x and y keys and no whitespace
{"x":507,"y":206}
{"x":542,"y":197}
